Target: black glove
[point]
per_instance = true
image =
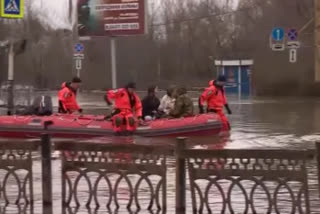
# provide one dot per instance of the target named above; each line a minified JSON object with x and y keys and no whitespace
{"x":80,"y":110}
{"x":201,"y":110}
{"x":115,"y":112}
{"x":228,"y":109}
{"x":108,"y":117}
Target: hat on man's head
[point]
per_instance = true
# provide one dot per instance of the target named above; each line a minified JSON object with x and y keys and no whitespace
{"x":131,"y":85}
{"x":221,"y":78}
{"x":76,"y":80}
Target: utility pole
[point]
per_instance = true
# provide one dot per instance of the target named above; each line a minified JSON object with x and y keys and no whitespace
{"x":10,"y":103}
{"x":113,"y":62}
{"x":317,"y":39}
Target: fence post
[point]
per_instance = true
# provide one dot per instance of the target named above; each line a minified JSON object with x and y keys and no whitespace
{"x":180,"y":176}
{"x":46,"y":171}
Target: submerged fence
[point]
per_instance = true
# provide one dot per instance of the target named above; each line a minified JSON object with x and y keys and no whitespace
{"x":134,"y":178}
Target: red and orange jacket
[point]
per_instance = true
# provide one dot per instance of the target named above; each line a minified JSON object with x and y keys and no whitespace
{"x":67,"y":99}
{"x":214,"y":97}
{"x":123,"y":102}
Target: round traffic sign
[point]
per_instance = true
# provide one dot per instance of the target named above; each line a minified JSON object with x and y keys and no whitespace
{"x":78,"y":48}
{"x":292,"y":34}
{"x":278,"y":34}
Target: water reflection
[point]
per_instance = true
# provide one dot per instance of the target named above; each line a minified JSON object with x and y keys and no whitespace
{"x":78,"y":210}
{"x":14,"y":209}
{"x":25,"y":209}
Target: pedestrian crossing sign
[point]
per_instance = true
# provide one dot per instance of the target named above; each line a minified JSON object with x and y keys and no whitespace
{"x":12,"y":8}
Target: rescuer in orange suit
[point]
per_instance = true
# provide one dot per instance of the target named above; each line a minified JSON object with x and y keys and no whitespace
{"x":126,"y":103}
{"x":67,"y":97}
{"x":216,"y":99}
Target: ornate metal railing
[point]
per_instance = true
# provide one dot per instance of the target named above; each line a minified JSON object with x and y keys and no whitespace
{"x":248,"y":181}
{"x":133,"y":178}
{"x":115,"y":175}
{"x":16,"y":182}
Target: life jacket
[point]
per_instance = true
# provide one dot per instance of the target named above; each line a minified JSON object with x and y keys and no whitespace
{"x":125,"y":102}
{"x":67,"y":99}
{"x":215,"y":97}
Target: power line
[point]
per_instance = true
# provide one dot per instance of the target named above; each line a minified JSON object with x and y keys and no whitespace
{"x":201,"y":17}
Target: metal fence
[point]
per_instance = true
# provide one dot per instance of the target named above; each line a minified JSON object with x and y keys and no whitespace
{"x":22,"y":96}
{"x":239,"y":181}
{"x":111,"y":177}
{"x":108,"y":170}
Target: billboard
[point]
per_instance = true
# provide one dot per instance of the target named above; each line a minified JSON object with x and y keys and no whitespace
{"x":12,"y":9}
{"x":111,"y":17}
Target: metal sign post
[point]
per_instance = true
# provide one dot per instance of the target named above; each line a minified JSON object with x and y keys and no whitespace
{"x":293,"y":45}
{"x":78,"y":56}
{"x":11,"y":9}
{"x":10,"y":103}
{"x":112,"y":18}
{"x":113,"y":62}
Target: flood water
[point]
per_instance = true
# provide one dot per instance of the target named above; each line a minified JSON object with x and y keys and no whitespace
{"x":257,"y":122}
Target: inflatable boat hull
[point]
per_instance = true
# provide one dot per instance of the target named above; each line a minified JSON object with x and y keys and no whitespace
{"x":88,"y":126}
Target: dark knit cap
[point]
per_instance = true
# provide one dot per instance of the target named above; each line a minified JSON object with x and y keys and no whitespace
{"x":76,"y":80}
{"x":131,"y":85}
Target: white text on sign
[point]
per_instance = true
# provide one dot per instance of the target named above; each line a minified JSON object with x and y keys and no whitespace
{"x":124,"y":26}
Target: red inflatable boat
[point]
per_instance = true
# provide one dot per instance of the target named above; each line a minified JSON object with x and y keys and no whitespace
{"x":74,"y":126}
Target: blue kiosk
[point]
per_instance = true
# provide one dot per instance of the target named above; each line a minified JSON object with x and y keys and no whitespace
{"x":238,"y":74}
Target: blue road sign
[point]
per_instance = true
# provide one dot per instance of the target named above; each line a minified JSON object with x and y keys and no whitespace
{"x":12,"y":8}
{"x":78,"y":48}
{"x":278,"y":34}
{"x":292,"y":34}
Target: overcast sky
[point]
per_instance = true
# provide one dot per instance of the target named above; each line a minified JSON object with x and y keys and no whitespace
{"x":53,"y":13}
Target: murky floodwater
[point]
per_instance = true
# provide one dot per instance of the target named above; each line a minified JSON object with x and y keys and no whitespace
{"x":256,"y":122}
{"x":286,"y":123}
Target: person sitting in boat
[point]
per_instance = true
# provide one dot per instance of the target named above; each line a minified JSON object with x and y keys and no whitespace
{"x":67,"y":97}
{"x":167,"y":102}
{"x":126,"y":103}
{"x":183,"y":105}
{"x":215,"y":98}
{"x":150,"y":104}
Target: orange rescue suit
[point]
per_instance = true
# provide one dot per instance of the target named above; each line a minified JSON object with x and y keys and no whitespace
{"x":214,"y":97}
{"x":126,"y":105}
{"x":216,"y":100}
{"x":67,"y":100}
